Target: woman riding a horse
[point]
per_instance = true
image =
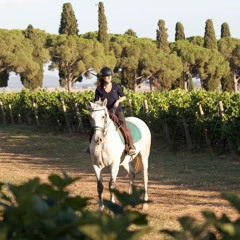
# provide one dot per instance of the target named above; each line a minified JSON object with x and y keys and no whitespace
{"x":114,"y":94}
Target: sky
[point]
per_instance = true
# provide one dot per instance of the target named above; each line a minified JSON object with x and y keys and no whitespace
{"x":141,"y":16}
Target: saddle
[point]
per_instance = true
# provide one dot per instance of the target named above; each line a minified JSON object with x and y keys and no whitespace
{"x":120,"y":127}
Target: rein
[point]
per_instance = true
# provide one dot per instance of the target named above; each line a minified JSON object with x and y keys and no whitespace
{"x":103,"y":129}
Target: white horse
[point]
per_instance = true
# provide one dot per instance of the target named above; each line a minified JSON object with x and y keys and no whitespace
{"x":107,"y":149}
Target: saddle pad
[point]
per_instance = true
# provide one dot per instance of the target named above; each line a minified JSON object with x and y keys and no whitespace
{"x":136,"y":133}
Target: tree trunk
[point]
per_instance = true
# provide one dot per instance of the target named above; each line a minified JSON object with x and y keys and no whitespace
{"x":235,"y":81}
{"x":185,"y":81}
{"x":69,"y":83}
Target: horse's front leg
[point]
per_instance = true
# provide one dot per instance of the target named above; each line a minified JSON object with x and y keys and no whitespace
{"x":112,"y":182}
{"x":98,"y":173}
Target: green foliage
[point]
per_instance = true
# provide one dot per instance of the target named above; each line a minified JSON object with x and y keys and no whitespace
{"x":68,"y":24}
{"x":162,"y":37}
{"x":225,"y":31}
{"x":166,"y":106}
{"x":36,"y":210}
{"x":210,"y":40}
{"x":130,"y":32}
{"x":74,"y":56}
{"x":179,"y":34}
{"x":213,"y":227}
{"x":196,"y":40}
{"x":191,"y":86}
{"x":102,"y":27}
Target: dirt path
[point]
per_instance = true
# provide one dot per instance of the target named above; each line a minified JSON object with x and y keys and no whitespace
{"x":169,"y":202}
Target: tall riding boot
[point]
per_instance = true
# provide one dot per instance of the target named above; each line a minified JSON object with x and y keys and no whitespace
{"x":132,"y":149}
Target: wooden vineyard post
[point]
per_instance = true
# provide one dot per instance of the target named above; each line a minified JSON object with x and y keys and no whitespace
{"x":230,"y":144}
{"x":130,"y":106}
{"x":147,"y":110}
{"x":35,"y":113}
{"x":205,"y":131}
{"x":78,"y":115}
{"x":65,"y":115}
{"x":189,"y":140}
{"x":10,"y":113}
{"x":166,"y":130}
{"x":3,"y":113}
{"x":19,"y":118}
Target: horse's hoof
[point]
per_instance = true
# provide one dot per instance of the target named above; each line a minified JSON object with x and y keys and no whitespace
{"x":100,"y":208}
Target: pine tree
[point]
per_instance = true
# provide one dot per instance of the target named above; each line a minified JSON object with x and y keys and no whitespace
{"x":210,"y":40}
{"x":225,"y":31}
{"x":162,"y":37}
{"x":102,"y":27}
{"x":179,"y":35}
{"x":68,"y":23}
{"x":130,"y":32}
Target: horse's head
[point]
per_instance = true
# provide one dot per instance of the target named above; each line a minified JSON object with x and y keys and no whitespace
{"x":99,"y":119}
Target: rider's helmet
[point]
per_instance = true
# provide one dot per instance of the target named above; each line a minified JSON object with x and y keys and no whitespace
{"x":106,"y":71}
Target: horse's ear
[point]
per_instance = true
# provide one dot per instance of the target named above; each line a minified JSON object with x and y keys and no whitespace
{"x":105,"y":102}
{"x":88,"y":105}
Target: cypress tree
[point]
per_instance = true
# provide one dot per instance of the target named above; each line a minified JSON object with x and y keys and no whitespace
{"x":102,"y":27}
{"x":210,"y":40}
{"x":179,"y":34}
{"x":190,"y":82}
{"x":162,"y":37}
{"x":68,"y":23}
{"x":225,"y":31}
{"x":29,"y":32}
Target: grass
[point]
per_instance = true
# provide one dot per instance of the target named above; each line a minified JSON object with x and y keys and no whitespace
{"x":38,"y":151}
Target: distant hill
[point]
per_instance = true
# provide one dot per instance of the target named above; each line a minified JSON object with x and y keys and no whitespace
{"x":49,"y":82}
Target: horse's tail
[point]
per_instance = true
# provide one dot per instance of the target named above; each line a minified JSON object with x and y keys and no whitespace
{"x":138,"y":163}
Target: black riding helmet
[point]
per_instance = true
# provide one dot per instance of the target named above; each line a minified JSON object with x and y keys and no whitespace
{"x":106,"y":71}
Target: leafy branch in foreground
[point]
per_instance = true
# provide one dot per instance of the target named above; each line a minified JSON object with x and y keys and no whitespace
{"x":37,"y":210}
{"x":213,"y":228}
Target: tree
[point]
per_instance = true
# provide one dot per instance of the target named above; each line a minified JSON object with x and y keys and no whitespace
{"x":225,"y":31}
{"x":16,"y":54}
{"x":190,"y":84}
{"x":196,"y":40}
{"x":230,"y":49}
{"x":164,"y":69}
{"x":68,"y":24}
{"x":40,"y":56}
{"x":131,"y":33}
{"x":75,"y":56}
{"x":179,"y":35}
{"x":210,"y":40}
{"x":162,"y":37}
{"x":207,"y":64}
{"x":102,"y":27}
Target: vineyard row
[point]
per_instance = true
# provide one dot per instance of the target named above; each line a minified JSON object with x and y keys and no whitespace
{"x":195,"y":117}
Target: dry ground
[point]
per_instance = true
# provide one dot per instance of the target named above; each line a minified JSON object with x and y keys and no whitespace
{"x":169,"y":202}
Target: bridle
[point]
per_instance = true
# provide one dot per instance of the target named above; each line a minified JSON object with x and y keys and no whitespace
{"x":103,"y":129}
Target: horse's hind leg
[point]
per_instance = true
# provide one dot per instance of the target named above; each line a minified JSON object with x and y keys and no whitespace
{"x":98,"y":174}
{"x":112,"y":182}
{"x":128,"y":167}
{"x":145,"y":180}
